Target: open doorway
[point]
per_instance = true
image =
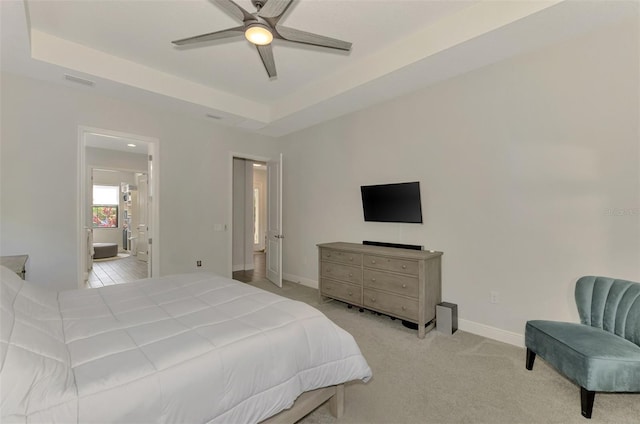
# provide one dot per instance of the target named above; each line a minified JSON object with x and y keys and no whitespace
{"x":118,"y":215}
{"x":249,"y":219}
{"x":118,"y":208}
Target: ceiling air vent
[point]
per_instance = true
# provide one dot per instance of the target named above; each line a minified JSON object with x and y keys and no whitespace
{"x":208,"y":115}
{"x":79,"y":80}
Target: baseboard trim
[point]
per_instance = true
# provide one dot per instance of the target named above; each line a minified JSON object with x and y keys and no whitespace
{"x":483,"y":330}
{"x":491,"y":332}
{"x":300,"y":280}
{"x":245,"y":267}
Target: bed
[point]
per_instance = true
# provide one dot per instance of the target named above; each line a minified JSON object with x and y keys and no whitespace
{"x":190,"y":348}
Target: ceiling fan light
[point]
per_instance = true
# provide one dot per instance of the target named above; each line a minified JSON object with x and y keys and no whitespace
{"x":258,"y":34}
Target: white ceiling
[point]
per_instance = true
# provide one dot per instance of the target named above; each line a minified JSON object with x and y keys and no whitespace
{"x":398,"y":46}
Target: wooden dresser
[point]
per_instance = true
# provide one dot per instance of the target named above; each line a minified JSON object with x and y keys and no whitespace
{"x":401,"y":283}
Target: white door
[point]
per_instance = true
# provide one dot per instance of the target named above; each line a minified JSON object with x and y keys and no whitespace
{"x":274,"y":221}
{"x":88,"y":223}
{"x":142,"y":245}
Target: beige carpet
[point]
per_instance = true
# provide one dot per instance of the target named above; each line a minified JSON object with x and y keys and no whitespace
{"x":462,"y":378}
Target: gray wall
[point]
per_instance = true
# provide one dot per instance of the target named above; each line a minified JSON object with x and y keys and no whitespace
{"x":39,"y":177}
{"x":529,"y":173}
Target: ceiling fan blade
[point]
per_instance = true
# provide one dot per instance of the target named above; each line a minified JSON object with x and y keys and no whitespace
{"x":225,"y":33}
{"x":266,"y":54}
{"x":297,"y":36}
{"x":234,"y":9}
{"x":274,"y":8}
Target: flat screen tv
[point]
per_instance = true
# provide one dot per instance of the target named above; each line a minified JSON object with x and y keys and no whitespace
{"x":392,"y":202}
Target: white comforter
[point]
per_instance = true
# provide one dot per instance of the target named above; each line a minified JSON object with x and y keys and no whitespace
{"x":190,"y":348}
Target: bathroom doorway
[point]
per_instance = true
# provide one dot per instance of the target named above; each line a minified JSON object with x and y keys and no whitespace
{"x":249,"y":219}
{"x":124,"y":163}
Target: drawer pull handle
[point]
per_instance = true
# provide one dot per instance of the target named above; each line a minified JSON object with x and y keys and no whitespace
{"x":328,"y":255}
{"x":404,"y":267}
{"x":350,"y":293}
{"x":404,"y":286}
{"x":373,"y":261}
{"x":373,"y":299}
{"x":351,"y":274}
{"x":351,"y":259}
{"x":404,"y":308}
{"x":373,"y":280}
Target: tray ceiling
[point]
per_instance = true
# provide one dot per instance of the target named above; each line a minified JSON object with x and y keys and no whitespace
{"x":125,"y":48}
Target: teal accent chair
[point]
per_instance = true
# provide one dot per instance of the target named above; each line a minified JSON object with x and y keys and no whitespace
{"x":602,"y":353}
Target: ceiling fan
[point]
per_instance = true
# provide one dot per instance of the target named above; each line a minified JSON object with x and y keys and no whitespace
{"x":261,"y":27}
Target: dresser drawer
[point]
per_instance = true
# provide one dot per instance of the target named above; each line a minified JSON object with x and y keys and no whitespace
{"x":405,"y":266}
{"x":342,"y":257}
{"x":395,"y":305}
{"x":396,"y":283}
{"x":346,"y":292}
{"x":347,"y":273}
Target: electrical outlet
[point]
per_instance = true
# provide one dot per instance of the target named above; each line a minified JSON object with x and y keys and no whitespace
{"x":198,"y":263}
{"x":494,"y":297}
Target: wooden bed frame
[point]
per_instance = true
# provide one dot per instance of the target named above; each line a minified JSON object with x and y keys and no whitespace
{"x":308,"y":401}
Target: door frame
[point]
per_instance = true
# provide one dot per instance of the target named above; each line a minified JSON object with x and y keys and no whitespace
{"x":237,"y":155}
{"x":153,"y":173}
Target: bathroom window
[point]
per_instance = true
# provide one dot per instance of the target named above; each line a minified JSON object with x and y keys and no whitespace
{"x":105,"y":206}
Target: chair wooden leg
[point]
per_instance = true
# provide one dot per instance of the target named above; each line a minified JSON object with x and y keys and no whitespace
{"x":531,"y":356}
{"x":586,"y":401}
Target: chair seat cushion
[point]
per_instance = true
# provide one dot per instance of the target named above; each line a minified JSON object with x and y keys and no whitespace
{"x":590,"y":357}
